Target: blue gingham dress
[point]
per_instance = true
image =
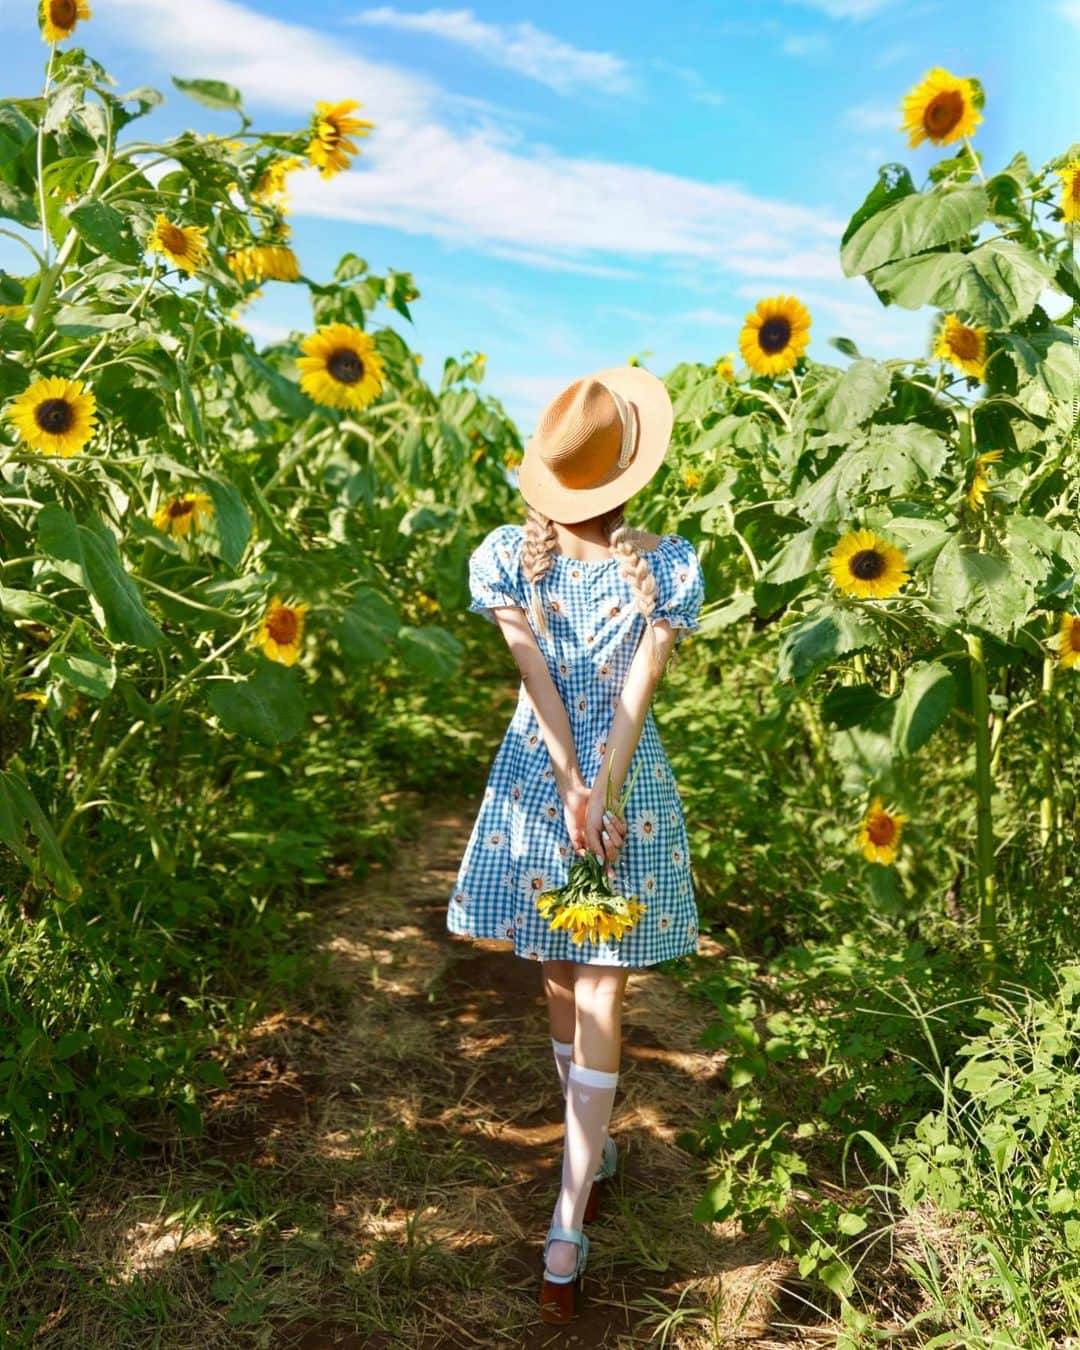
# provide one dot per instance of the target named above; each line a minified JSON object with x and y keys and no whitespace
{"x":519,"y":846}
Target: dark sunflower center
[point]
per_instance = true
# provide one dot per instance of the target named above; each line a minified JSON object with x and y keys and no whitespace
{"x":867,"y":565}
{"x":174,"y":239}
{"x":1074,"y":635}
{"x":282,"y":626}
{"x":1076,"y":187}
{"x":881,"y":829}
{"x":943,"y":112}
{"x":345,"y":366}
{"x":179,"y":507}
{"x":63,"y":13}
{"x":55,"y":415}
{"x":965,"y":343}
{"x":774,"y":334}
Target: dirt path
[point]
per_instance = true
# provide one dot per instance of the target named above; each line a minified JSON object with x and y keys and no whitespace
{"x":382,"y":1168}
{"x":451,"y":1042}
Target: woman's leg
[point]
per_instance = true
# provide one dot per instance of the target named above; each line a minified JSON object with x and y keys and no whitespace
{"x":590,"y":1095}
{"x":559,"y":987}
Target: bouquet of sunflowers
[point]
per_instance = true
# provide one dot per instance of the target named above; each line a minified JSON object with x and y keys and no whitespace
{"x":587,"y":906}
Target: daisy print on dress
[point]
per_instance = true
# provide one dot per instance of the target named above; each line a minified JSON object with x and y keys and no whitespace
{"x":604,"y":671}
{"x":648,"y":884}
{"x":645,"y":827}
{"x":581,"y":706}
{"x":517,"y":791}
{"x":600,"y":748}
{"x":677,"y":856}
{"x":659,"y":773}
{"x":556,"y":606}
{"x":532,"y":740}
{"x":550,"y":811}
{"x":494,"y":840}
{"x":664,"y":922}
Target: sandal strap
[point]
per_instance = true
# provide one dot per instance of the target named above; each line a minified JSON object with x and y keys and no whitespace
{"x":557,"y":1234}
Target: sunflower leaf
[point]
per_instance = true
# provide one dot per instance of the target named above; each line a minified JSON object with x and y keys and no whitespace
{"x":918,"y":222}
{"x":268,"y":707}
{"x":989,"y":591}
{"x":87,"y":554}
{"x":88,"y":672}
{"x":211,"y":93}
{"x":106,"y":231}
{"x":431,"y":651}
{"x":18,"y":809}
{"x":925,"y":701}
{"x":821,"y":638}
{"x":995,"y":284}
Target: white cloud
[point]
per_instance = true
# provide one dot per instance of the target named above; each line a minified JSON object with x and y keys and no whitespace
{"x":873,"y":116}
{"x":804,"y":44}
{"x":521,"y":47}
{"x":480,"y":186}
{"x":846,"y":9}
{"x":695,"y":84}
{"x":1071,"y":10}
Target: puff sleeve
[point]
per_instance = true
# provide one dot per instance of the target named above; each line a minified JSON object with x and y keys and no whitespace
{"x":495,"y":578}
{"x":680,"y":585}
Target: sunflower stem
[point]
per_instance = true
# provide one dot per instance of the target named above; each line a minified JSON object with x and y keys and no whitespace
{"x":975,"y":160}
{"x":984,"y":821}
{"x":46,"y":242}
{"x":1047,"y":804}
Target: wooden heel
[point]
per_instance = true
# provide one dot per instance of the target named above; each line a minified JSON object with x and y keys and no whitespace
{"x":558,"y":1302}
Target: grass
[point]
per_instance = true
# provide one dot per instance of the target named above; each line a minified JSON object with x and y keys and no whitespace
{"x":380,"y":1169}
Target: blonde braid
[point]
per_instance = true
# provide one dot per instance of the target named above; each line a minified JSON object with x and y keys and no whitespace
{"x":538,"y":548}
{"x":623,"y":543}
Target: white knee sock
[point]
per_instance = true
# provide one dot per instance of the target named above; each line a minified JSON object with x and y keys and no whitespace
{"x":590,"y":1095}
{"x":564,"y":1053}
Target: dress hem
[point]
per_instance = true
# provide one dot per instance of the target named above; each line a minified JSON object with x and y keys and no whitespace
{"x":504,"y":945}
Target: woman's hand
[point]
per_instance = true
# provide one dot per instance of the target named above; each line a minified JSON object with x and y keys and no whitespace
{"x":605,"y":831}
{"x":575,"y":800}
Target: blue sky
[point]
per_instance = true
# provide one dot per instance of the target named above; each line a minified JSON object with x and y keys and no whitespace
{"x":572,"y":184}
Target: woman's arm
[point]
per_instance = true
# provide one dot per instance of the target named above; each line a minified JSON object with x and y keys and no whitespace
{"x":630,"y":713}
{"x":551,"y":715}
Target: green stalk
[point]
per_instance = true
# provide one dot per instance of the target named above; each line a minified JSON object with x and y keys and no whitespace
{"x":984,"y":821}
{"x":1047,"y":811}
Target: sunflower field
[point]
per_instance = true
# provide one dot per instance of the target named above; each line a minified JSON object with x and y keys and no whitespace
{"x":232,"y":642}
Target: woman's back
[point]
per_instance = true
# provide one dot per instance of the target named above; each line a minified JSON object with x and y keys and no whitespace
{"x":518,"y":849}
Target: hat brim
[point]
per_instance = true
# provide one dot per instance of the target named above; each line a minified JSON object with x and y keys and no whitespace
{"x":649,"y":395}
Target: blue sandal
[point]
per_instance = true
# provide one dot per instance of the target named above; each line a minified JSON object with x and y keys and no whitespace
{"x":557,"y":1293}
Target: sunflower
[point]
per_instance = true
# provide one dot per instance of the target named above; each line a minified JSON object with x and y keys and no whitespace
{"x":185,"y":245}
{"x":582,"y":919}
{"x":263,"y":262}
{"x":281,"y":631}
{"x":54,"y":416}
{"x":331,"y":127}
{"x":180,"y":515}
{"x":1069,"y":640}
{"x":980,"y":483}
{"x":1070,"y":190}
{"x":879,"y":833}
{"x":865,"y":565}
{"x":775,"y":335}
{"x":963,"y":346}
{"x":59,"y":18}
{"x":271,"y":189}
{"x":725,"y":369}
{"x":941,"y":109}
{"x":340,"y":367}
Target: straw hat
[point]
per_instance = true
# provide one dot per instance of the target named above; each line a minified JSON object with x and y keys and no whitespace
{"x":596,"y":444}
